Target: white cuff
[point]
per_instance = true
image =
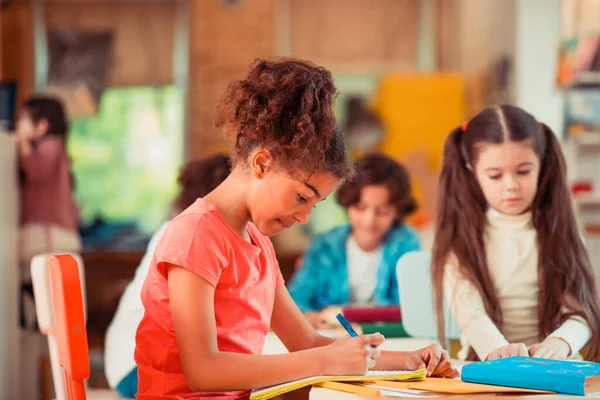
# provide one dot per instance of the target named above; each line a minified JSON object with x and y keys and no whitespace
{"x":484,"y":337}
{"x":575,"y":332}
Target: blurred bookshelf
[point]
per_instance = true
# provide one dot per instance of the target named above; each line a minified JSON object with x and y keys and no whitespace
{"x":578,"y":75}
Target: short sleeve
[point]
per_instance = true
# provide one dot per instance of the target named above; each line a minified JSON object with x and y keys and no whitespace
{"x":194,"y":242}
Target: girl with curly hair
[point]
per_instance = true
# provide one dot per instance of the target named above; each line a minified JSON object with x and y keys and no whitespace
{"x":196,"y":179}
{"x":214,"y":288}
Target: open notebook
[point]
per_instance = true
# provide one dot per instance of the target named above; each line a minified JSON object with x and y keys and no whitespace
{"x":371,"y":376}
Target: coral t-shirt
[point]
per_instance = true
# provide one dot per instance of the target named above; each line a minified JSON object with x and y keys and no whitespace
{"x":245,"y":276}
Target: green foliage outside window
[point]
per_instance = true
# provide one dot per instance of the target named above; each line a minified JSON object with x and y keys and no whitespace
{"x":126,"y":158}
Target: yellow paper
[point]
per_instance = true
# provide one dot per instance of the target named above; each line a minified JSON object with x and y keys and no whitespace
{"x":371,"y":376}
{"x":442,"y":385}
{"x":350,"y":388}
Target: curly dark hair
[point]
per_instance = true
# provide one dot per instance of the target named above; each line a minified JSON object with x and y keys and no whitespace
{"x":50,"y":109}
{"x":285,"y":106}
{"x":379,"y":169}
{"x":200,"y":177}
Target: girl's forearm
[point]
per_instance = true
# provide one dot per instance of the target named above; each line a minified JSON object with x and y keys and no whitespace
{"x":320,"y":341}
{"x":233,"y":371}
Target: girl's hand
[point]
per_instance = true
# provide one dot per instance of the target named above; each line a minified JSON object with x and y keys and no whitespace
{"x":553,"y":348}
{"x":316,"y":320}
{"x":328,"y":315}
{"x":351,"y":356}
{"x":340,"y":332}
{"x":510,"y":350}
{"x":324,"y":319}
{"x":434,"y":358}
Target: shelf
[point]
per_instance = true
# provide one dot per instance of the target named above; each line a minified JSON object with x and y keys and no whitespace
{"x":586,"y":139}
{"x":588,"y":78}
{"x":592,"y":199}
{"x":592,"y":229}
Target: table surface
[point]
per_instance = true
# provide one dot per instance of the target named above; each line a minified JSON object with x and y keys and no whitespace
{"x":274,"y":346}
{"x":317,"y":393}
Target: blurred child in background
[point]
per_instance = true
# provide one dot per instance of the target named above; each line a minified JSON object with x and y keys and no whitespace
{"x":356,"y":263}
{"x":49,"y":215}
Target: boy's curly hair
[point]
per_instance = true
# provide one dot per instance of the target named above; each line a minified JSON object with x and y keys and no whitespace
{"x":285,"y":106}
{"x":379,"y":169}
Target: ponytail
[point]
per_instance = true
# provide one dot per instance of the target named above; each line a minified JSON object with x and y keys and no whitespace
{"x":567,"y":281}
{"x":460,"y":224}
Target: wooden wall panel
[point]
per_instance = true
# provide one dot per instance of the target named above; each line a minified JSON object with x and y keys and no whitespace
{"x":446,"y":28}
{"x":224,"y":41}
{"x":16,"y":47}
{"x":355,"y":35}
{"x":144,"y":34}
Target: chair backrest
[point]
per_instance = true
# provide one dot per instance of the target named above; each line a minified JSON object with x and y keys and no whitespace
{"x":40,"y":277}
{"x":416,"y":298}
{"x":69,"y":323}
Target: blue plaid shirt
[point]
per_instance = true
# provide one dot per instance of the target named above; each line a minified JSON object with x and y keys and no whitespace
{"x":322,"y":279}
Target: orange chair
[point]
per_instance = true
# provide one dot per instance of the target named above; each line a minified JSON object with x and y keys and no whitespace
{"x":70,"y":328}
{"x":40,"y":278}
{"x":69,"y":321}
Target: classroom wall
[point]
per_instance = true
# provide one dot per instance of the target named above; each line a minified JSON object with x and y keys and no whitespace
{"x":485,"y":35}
{"x":143,"y":38}
{"x":537,"y":43}
{"x":143,"y":35}
{"x":485,"y":32}
{"x":16,"y":47}
{"x":351,"y":37}
{"x":223,"y":41}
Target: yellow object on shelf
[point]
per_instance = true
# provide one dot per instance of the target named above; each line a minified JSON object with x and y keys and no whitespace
{"x":418,"y":111}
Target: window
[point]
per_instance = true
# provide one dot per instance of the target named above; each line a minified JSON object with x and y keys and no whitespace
{"x":125,"y":163}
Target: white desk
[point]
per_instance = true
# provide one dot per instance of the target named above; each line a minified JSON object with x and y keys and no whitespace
{"x":317,"y":393}
{"x":9,"y":278}
{"x":274,"y":346}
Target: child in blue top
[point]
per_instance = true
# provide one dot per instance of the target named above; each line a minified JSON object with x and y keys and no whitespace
{"x":356,"y":263}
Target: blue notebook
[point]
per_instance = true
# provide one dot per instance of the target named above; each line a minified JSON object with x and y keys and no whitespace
{"x":571,"y":377}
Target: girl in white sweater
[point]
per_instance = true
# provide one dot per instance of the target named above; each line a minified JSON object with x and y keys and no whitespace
{"x":507,"y":255}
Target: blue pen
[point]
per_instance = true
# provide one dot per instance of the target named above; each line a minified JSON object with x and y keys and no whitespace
{"x":346,"y":325}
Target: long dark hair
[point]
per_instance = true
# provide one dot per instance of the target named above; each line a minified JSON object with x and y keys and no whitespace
{"x":50,"y":109}
{"x":566,"y":279}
